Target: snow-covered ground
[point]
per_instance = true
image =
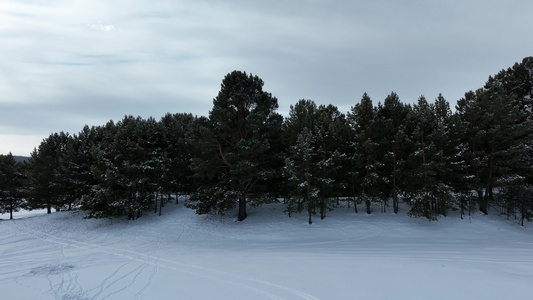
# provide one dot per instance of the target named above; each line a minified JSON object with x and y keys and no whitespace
{"x":268,"y":256}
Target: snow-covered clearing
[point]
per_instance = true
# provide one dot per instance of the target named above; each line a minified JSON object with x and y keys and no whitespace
{"x":268,"y":256}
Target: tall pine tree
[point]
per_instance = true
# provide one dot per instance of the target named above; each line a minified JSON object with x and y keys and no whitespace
{"x":12,"y":185}
{"x":234,"y":153}
{"x":392,"y":115}
{"x":367,"y":159}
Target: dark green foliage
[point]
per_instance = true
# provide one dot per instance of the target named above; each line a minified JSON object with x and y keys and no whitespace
{"x":392,"y":115}
{"x":300,"y":170}
{"x":332,"y":142}
{"x":12,"y":185}
{"x":80,"y":159}
{"x":233,"y":147}
{"x":367,"y":159}
{"x":431,"y":162}
{"x":300,"y":163}
{"x":177,"y":176}
{"x":50,"y":180}
{"x":208,"y":197}
{"x":126,"y":170}
{"x":316,"y":136}
{"x":498,"y":138}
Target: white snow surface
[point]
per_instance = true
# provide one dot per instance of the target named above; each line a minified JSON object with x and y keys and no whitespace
{"x":181,"y":255}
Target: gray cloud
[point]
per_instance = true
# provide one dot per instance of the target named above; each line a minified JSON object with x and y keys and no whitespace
{"x":70,"y":63}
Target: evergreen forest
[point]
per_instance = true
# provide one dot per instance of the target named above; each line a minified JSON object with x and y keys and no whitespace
{"x":476,"y":157}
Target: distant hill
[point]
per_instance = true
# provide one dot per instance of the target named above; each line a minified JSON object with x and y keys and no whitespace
{"x":21,"y":158}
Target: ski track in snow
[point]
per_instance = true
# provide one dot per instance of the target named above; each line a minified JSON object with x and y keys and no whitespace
{"x":64,"y":283}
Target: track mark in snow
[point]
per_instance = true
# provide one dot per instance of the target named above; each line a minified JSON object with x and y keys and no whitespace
{"x":137,"y":271}
{"x":63,"y":284}
{"x":102,"y":287}
{"x":223,"y":274}
{"x":150,"y":280}
{"x":146,"y":260}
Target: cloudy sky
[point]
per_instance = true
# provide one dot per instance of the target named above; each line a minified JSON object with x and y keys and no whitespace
{"x":67,"y":63}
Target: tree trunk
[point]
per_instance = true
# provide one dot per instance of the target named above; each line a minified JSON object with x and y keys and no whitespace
{"x":155,"y":203}
{"x":481,"y":201}
{"x":322,"y":209}
{"x":395,"y":204}
{"x":309,"y":212}
{"x":462,"y":206}
{"x":354,"y":199}
{"x":287,"y":201}
{"x":11,"y":210}
{"x":242,"y":207}
{"x":483,"y":206}
{"x":160,"y":204}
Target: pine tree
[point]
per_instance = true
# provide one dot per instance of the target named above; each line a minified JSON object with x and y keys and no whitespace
{"x":155,"y":162}
{"x":70,"y":170}
{"x":315,"y":135}
{"x":178,"y":153}
{"x":300,"y":141}
{"x":469,"y":112}
{"x":430,"y":163}
{"x":79,"y":161}
{"x":12,"y":185}
{"x":498,"y":139}
{"x":50,"y":186}
{"x":331,"y":127}
{"x":97,"y":203}
{"x":392,"y":115}
{"x":300,"y":168}
{"x":125,"y":170}
{"x":368,"y":158}
{"x":515,"y":87}
{"x":235,"y":155}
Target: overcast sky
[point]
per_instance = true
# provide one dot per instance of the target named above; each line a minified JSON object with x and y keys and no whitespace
{"x":67,"y":63}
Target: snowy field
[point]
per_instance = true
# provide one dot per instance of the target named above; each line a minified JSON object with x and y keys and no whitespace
{"x":268,"y":256}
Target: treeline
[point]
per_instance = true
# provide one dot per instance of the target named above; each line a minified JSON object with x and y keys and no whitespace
{"x":243,"y":153}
